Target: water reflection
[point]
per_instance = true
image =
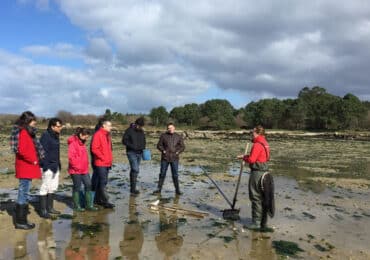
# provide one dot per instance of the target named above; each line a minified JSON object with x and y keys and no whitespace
{"x":46,"y":242}
{"x":168,"y":241}
{"x":133,"y":237}
{"x":261,"y":247}
{"x":89,"y":236}
{"x":20,"y":249}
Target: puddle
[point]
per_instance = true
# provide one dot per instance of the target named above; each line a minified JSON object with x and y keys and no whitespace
{"x":320,"y":222}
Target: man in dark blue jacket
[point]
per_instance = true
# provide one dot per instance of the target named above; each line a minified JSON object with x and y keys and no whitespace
{"x":50,"y":166}
{"x":134,"y":140}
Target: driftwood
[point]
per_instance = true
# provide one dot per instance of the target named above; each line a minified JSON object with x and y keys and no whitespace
{"x":197,"y":214}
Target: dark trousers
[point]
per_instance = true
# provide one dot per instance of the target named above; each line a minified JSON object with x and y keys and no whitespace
{"x":78,"y":179}
{"x":174,"y":169}
{"x":99,"y":183}
{"x":134,"y":159}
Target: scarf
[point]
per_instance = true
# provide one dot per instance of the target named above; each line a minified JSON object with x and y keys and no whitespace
{"x":14,"y":137}
{"x":14,"y":140}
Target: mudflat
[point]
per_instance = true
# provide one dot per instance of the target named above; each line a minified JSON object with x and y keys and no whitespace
{"x":322,"y":202}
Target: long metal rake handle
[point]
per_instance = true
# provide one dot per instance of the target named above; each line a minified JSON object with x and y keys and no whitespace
{"x":222,"y":193}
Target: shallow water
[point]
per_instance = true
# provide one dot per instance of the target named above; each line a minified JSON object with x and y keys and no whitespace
{"x":323,"y":221}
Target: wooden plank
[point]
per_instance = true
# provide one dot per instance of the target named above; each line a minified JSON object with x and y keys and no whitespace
{"x":193,"y":213}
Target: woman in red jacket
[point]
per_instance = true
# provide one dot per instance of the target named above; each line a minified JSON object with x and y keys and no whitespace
{"x":257,"y":160}
{"x":28,"y":154}
{"x":78,"y":168}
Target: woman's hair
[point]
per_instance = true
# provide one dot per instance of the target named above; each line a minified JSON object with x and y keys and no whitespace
{"x":82,"y":131}
{"x":25,"y":119}
{"x":259,"y":130}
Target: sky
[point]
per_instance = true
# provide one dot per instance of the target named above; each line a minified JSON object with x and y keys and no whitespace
{"x":130,"y":56}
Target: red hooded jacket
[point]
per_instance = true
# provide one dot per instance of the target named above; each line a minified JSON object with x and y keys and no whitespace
{"x":260,"y":151}
{"x":26,"y":161}
{"x":101,"y":148}
{"x":78,"y":158}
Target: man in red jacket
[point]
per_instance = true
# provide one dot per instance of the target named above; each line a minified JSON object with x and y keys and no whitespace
{"x":101,"y":150}
{"x":257,"y":160}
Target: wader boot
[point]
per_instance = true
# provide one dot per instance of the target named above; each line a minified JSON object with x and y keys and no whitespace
{"x":160,"y":184}
{"x":255,"y":196}
{"x":89,"y":201}
{"x":50,"y":204}
{"x":43,"y":207}
{"x":264,"y":226}
{"x":76,"y":201}
{"x":21,"y":217}
{"x":176,"y":184}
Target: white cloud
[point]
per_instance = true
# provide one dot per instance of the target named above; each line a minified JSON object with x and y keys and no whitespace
{"x":59,"y":50}
{"x":143,"y":53}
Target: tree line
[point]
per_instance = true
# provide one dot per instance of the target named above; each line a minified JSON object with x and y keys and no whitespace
{"x":314,"y":109}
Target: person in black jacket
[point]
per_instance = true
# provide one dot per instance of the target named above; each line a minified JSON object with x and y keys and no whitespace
{"x":50,"y":166}
{"x":171,"y":145}
{"x":134,"y":140}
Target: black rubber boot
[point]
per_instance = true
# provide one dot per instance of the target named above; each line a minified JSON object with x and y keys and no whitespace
{"x":43,"y":207}
{"x":160,"y":184}
{"x":106,"y":204}
{"x":133,"y":190}
{"x":21,"y":217}
{"x":50,"y":204}
{"x":176,"y":183}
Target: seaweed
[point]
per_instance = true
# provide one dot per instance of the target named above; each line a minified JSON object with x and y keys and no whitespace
{"x":88,"y":230}
{"x":66,"y":216}
{"x":227,"y":239}
{"x":286,"y":248}
{"x":308,"y":215}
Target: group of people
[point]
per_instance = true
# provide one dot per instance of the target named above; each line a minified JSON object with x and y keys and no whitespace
{"x":41,"y":159}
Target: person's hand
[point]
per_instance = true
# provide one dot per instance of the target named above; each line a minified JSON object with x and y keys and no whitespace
{"x":241,"y":156}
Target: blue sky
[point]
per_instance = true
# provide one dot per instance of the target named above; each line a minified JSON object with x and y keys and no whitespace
{"x":85,"y":56}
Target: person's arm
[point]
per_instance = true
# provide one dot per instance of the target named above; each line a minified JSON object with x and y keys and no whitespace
{"x":255,"y":152}
{"x":181,"y":145}
{"x":73,"y":155}
{"x":24,"y":151}
{"x":160,"y":145}
{"x":127,"y":140}
{"x":96,"y":147}
{"x":45,"y":144}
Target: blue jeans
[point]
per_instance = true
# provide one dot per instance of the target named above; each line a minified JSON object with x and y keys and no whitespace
{"x":78,"y":179}
{"x":174,"y":169}
{"x":99,"y":183}
{"x":134,"y":159}
{"x":23,"y":190}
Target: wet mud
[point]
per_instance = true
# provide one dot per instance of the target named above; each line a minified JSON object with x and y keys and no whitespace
{"x":310,"y":222}
{"x":322,"y":203}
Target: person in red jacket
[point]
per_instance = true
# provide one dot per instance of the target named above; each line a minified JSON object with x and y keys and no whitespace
{"x":78,"y":168}
{"x":28,"y":152}
{"x":257,"y":160}
{"x":101,"y":150}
